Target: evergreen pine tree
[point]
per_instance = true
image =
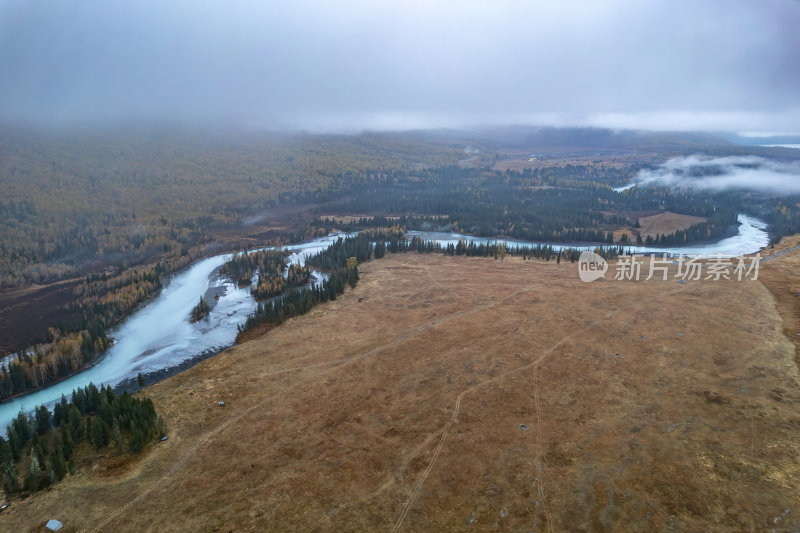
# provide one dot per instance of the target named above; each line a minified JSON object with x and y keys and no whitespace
{"x":161,"y":427}
{"x":99,"y":433}
{"x":67,"y":443}
{"x":58,"y":464}
{"x":75,"y":423}
{"x":137,"y":440}
{"x":51,"y":475}
{"x":42,"y":417}
{"x":88,"y":434}
{"x":22,"y":427}
{"x":10,"y":479}
{"x":13,"y":443}
{"x":34,"y":478}
{"x":39,"y":449}
{"x":5,"y":452}
{"x":117,"y":434}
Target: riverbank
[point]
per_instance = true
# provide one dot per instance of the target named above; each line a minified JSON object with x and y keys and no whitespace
{"x":131,"y":384}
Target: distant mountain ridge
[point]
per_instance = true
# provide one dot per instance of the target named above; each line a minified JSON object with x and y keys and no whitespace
{"x":509,"y":137}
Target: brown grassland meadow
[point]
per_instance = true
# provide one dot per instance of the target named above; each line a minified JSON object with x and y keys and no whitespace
{"x":460,"y":393}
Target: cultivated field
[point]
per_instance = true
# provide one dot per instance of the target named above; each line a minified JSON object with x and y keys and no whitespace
{"x":470,"y":394}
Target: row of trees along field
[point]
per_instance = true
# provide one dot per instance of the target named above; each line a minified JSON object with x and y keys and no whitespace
{"x":497,"y":250}
{"x":40,"y":449}
{"x":341,"y":260}
{"x":714,"y":227}
{"x":297,"y":302}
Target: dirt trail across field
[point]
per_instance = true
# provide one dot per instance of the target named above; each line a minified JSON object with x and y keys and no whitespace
{"x":457,"y":409}
{"x":221,"y":427}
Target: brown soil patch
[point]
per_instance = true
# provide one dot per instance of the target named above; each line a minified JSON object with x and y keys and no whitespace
{"x":266,"y":227}
{"x":465,"y":393}
{"x":27,"y":313}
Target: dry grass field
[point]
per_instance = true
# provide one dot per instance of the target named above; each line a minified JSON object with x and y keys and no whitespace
{"x":519,"y":160}
{"x":666,"y":223}
{"x":653,"y":225}
{"x":457,"y":394}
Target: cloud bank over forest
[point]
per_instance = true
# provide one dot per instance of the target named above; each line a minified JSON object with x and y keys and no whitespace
{"x":340,"y":66}
{"x":746,"y":173}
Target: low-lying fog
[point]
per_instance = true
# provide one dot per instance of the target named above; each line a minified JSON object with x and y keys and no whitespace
{"x":745,"y":173}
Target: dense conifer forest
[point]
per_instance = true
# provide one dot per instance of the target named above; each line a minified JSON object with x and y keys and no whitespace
{"x":555,"y":204}
{"x":40,"y":449}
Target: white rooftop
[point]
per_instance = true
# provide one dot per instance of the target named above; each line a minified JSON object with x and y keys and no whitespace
{"x":54,"y":525}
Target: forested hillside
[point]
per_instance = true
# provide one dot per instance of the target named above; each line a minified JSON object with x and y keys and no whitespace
{"x":78,"y":201}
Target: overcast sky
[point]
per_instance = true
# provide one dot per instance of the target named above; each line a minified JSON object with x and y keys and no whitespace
{"x":345,"y":65}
